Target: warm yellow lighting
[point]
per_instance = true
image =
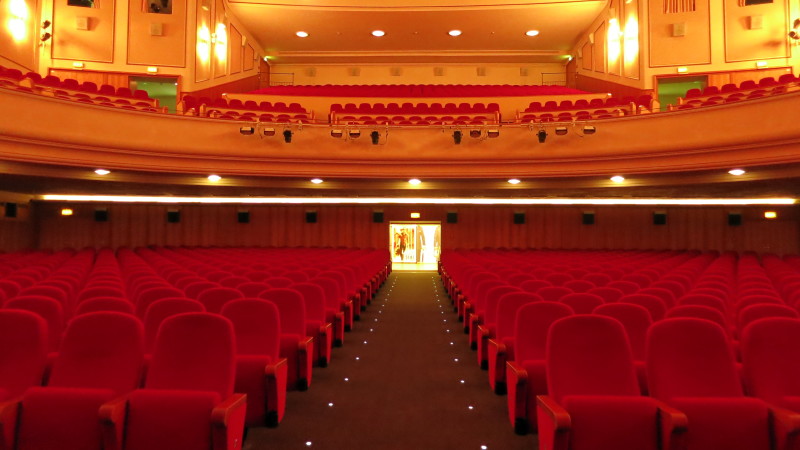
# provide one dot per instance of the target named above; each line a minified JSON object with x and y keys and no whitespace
{"x":425,"y":201}
{"x":66,"y":212}
{"x":378,"y":33}
{"x":770,"y":215}
{"x":617,"y":178}
{"x":316,"y":180}
{"x":301,"y":34}
{"x":17,"y":23}
{"x":152,"y":70}
{"x":631,"y":40}
{"x":221,"y":43}
{"x":214,"y":178}
{"x":761,"y":64}
{"x":614,"y":36}
{"x":78,"y":65}
{"x":414,"y":181}
{"x":683,"y":69}
{"x":737,"y":172}
{"x":415,"y":215}
{"x":203,"y":43}
{"x":532,"y":33}
{"x":454,"y":33}
{"x":102,"y":172}
{"x":513,"y":181}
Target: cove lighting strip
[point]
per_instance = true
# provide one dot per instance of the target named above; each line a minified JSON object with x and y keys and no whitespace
{"x":425,"y":201}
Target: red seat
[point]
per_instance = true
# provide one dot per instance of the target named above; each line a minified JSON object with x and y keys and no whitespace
{"x":49,"y":309}
{"x":260,"y":371}
{"x":582,"y":303}
{"x":97,"y":304}
{"x":213,"y":299}
{"x":161,"y":310}
{"x":636,"y":320}
{"x":296,"y":346}
{"x":594,"y":401}
{"x":653,"y":304}
{"x":23,"y":354}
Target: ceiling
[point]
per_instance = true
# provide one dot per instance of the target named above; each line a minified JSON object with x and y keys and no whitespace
{"x":339,"y":31}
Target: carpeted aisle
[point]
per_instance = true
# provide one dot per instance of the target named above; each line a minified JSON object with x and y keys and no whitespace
{"x":405,"y":379}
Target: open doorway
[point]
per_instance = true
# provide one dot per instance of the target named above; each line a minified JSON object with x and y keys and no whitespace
{"x":415,"y":245}
{"x":163,"y":89}
{"x":670,"y":88}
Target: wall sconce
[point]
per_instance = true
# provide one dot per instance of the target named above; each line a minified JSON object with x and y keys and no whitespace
{"x":376,"y":137}
{"x":287,"y":136}
{"x":268,"y":132}
{"x":542,"y":136}
{"x":492,"y":133}
{"x":475,"y":134}
{"x":561,"y":131}
{"x":354,"y":134}
{"x":589,"y":129}
{"x":457,"y":137}
{"x":247,"y":131}
{"x":337,"y":134}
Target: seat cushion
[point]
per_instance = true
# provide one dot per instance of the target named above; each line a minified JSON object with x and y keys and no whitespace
{"x":612,"y":422}
{"x":62,"y":418}
{"x":162,"y":419}
{"x":731,"y":423}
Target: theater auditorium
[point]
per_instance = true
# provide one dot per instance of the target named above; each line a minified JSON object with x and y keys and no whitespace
{"x":405,"y":224}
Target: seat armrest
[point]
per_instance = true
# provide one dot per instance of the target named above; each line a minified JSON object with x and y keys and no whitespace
{"x":112,"y":420}
{"x":497,"y":362}
{"x":305,"y":349}
{"x":673,"y":425}
{"x":554,"y":424}
{"x":517,"y":386}
{"x":227,"y":423}
{"x":276,"y":378}
{"x":785,"y":426}
{"x":9,"y":414}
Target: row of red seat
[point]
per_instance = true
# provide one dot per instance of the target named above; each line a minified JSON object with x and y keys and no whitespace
{"x":417,"y":90}
{"x":730,"y":93}
{"x":744,"y":86}
{"x":491,"y":290}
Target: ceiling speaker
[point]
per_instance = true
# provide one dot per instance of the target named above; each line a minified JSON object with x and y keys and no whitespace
{"x":679,"y":29}
{"x":438,"y":71}
{"x":354,"y":71}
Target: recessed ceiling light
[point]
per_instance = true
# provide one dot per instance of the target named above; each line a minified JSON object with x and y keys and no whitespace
{"x":301,"y":34}
{"x":102,"y":171}
{"x":316,"y":180}
{"x":214,"y":178}
{"x":378,"y":33}
{"x":414,"y":181}
{"x":617,"y":178}
{"x":454,"y":33}
{"x":532,"y":33}
{"x":513,"y":181}
{"x":737,"y":172}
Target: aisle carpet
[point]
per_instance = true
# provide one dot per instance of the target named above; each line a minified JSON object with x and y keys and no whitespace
{"x":405,"y":379}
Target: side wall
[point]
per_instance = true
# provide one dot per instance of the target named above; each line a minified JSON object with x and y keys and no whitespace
{"x":616,"y":227}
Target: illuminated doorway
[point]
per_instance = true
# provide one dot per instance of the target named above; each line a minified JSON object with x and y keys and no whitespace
{"x":415,"y":245}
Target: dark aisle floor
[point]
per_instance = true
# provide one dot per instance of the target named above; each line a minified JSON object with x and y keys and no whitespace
{"x":405,"y":379}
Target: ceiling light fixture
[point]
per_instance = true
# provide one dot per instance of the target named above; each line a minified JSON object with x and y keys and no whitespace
{"x":378,"y":33}
{"x":532,"y":33}
{"x":102,"y":171}
{"x":454,"y":33}
{"x":737,"y":172}
{"x":414,"y":181}
{"x":617,"y":178}
{"x":514,"y":181}
{"x":214,"y":178}
{"x":316,"y":180}
{"x":301,"y":34}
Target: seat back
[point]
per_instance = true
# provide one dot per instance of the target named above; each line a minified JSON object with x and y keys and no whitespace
{"x":635,"y":319}
{"x":153,"y":294}
{"x":23,"y":352}
{"x":531,"y":326}
{"x":589,"y":355}
{"x":213,"y":299}
{"x":763,"y":310}
{"x":97,"y":304}
{"x":51,"y":310}
{"x":161,"y":310}
{"x":771,"y":358}
{"x":256,"y":323}
{"x":493,"y":297}
{"x":698,"y":312}
{"x":653,"y":304}
{"x":689,"y":357}
{"x":314,"y":299}
{"x":608,"y":294}
{"x":292,"y":309}
{"x":194,"y":351}
{"x":100,"y":350}
{"x":581,"y":302}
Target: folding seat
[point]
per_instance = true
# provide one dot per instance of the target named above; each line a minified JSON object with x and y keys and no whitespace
{"x":579,"y":285}
{"x":598,"y":279}
{"x":148,"y":296}
{"x":233,"y":281}
{"x":213,"y":299}
{"x":787,"y":78}
{"x":252,"y":288}
{"x":636,"y":320}
{"x":704,"y":300}
{"x":752,"y":313}
{"x":160,"y":310}
{"x":9,"y":288}
{"x":582,"y":303}
{"x":97,"y":304}
{"x":100,"y":291}
{"x":654,"y":305}
{"x":296,"y":345}
{"x":319,"y":324}
{"x":698,"y":312}
{"x":280,"y":107}
{"x":48,"y":291}
{"x":335,"y":299}
{"x":691,"y":367}
{"x":485,"y":316}
{"x":747,"y":84}
{"x":101,"y":358}
{"x":692,"y":93}
{"x":744,"y":302}
{"x":71,"y":84}
{"x":714,"y":292}
{"x":51,"y":310}
{"x":260,"y":371}
{"x":550,"y":106}
{"x":557,"y":279}
{"x":525,"y":374}
{"x":476,"y":297}
{"x":534,"y":285}
{"x":23,"y":355}
{"x":193,"y":290}
{"x":187,"y":401}
{"x":594,"y":402}
{"x":553,"y":293}
{"x":628,"y":287}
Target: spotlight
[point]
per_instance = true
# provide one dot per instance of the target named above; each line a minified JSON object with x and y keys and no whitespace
{"x":337,"y":134}
{"x":589,"y":129}
{"x":376,"y":137}
{"x":457,"y":137}
{"x":287,"y":136}
{"x":492,"y":133}
{"x":269,"y":131}
{"x":561,"y":131}
{"x":354,"y":134}
{"x":737,"y":172}
{"x":247,"y":131}
{"x":542,"y":135}
{"x":475,"y":133}
{"x":46,"y":24}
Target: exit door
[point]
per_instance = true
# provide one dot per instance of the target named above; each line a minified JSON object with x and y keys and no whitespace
{"x":415,"y":242}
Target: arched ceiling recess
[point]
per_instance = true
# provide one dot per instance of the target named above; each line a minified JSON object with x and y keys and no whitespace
{"x":416,"y":32}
